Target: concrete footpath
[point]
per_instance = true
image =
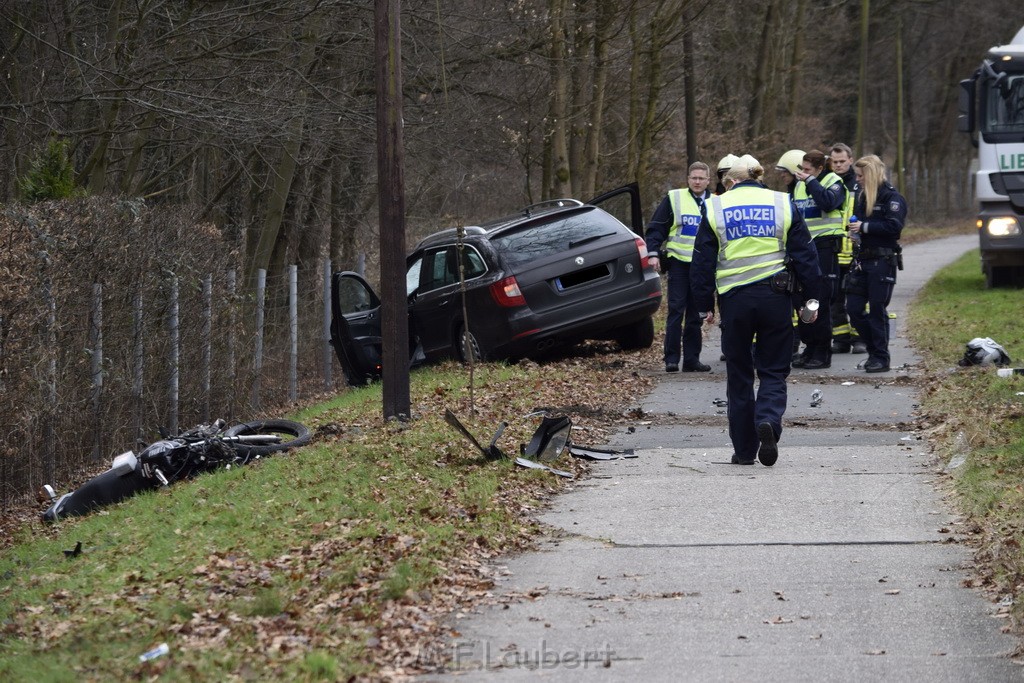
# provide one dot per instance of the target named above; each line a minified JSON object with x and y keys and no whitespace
{"x":833,"y":565}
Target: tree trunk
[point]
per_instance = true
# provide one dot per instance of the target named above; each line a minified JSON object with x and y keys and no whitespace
{"x":689,"y":88}
{"x":283,"y":172}
{"x":579,"y":24}
{"x":635,"y":98}
{"x":759,"y":90}
{"x":560,"y":185}
{"x":796,"y":67}
{"x":602,"y":32}
{"x":348,"y":183}
{"x":899,"y":165}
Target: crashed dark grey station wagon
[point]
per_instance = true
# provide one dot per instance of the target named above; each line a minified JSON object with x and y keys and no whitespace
{"x":555,"y":274}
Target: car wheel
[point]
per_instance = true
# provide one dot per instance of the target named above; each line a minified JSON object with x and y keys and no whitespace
{"x":467,"y":342}
{"x":638,"y":336}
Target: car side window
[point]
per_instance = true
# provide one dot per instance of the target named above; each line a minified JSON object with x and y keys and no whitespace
{"x":412,"y":276}
{"x":435,"y":271}
{"x":441,"y":267}
{"x":352,"y":296}
{"x":473,"y":263}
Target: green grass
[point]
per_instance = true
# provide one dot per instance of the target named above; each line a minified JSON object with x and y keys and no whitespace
{"x":296,"y":567}
{"x":971,"y":411}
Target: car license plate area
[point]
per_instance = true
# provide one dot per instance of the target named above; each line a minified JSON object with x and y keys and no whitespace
{"x":585,"y":276}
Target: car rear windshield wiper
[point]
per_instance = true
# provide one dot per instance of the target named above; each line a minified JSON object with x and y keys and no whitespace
{"x":589,"y":239}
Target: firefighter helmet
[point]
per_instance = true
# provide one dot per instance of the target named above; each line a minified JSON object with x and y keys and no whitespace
{"x":790,"y":161}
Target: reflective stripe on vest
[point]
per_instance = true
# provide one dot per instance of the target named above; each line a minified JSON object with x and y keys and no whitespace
{"x":751,"y":224}
{"x":686,"y":219}
{"x":820,"y":225}
{"x":845,"y":255}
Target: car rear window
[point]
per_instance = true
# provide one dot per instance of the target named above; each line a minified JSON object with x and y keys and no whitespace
{"x":530,"y":242}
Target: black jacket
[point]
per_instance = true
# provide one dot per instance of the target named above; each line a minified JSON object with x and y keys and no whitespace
{"x":883,"y":227}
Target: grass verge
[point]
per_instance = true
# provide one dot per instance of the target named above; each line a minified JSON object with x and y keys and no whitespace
{"x":970,"y":412}
{"x":339,"y":560}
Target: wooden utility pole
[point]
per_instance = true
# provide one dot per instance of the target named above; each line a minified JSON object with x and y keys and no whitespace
{"x":391,"y":200}
{"x":862,"y":83}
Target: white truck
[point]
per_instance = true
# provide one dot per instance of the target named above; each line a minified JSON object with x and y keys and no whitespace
{"x":992,"y":103}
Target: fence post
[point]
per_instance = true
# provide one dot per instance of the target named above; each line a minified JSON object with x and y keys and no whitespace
{"x":207,"y":343}
{"x":261,"y":289}
{"x":49,"y":430}
{"x":328,"y":356}
{"x":361,"y":264}
{"x":138,"y":359}
{"x":293,"y":333}
{"x":175,"y":354}
{"x":232,"y":332}
{"x":96,"y":369}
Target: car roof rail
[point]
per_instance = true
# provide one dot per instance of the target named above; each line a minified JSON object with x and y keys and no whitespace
{"x":444,"y":235}
{"x":551,"y":204}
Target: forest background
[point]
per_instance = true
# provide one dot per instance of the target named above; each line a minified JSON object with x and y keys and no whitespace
{"x":203,"y":137}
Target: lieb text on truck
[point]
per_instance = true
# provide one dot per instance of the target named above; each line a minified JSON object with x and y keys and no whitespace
{"x":992,"y":103}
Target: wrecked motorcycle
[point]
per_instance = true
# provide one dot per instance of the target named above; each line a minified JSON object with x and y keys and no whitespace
{"x":200,"y":449}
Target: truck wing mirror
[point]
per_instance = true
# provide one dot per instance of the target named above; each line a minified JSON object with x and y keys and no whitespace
{"x":965,"y":118}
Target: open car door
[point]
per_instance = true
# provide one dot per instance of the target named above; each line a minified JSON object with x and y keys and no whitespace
{"x":355,"y":327}
{"x":623,"y":203}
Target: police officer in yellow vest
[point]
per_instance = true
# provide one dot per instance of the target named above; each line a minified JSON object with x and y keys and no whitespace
{"x":745,"y":241}
{"x":672,"y":230}
{"x":844,"y":336}
{"x":819,"y":196}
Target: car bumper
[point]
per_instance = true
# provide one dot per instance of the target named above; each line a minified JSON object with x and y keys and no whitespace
{"x":530,"y":333}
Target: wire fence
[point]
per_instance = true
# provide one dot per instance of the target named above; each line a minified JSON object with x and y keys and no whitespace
{"x":114,"y":366}
{"x":91,"y":366}
{"x":941,"y":192}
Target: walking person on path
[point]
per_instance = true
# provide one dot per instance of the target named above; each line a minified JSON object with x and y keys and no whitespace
{"x":744,"y":243}
{"x":881,"y":212}
{"x":672,"y":229}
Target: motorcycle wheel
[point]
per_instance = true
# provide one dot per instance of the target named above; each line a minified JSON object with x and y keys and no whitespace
{"x":293,"y":435}
{"x":104,"y":489}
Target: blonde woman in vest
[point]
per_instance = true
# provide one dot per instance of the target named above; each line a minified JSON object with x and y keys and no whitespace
{"x":742,"y":247}
{"x":671,"y":231}
{"x":820,"y":196}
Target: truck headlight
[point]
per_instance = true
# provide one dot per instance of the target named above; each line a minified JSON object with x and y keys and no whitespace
{"x":1003,"y":226}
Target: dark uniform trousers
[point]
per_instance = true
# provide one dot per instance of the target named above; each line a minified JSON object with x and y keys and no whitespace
{"x":818,"y":335}
{"x":680,"y":299}
{"x":871,"y":282}
{"x":748,"y":311}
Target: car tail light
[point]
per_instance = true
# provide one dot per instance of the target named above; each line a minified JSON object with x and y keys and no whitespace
{"x":507,"y":293}
{"x":641,"y":246}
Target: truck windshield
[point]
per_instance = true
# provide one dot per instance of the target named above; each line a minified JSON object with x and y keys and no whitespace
{"x":1004,"y":106}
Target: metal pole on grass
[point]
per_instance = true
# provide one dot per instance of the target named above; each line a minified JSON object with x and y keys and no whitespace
{"x":261,"y":290}
{"x":293,"y":333}
{"x":138,"y":359}
{"x":207,"y":342}
{"x":96,"y":369}
{"x":328,"y":359}
{"x":174,"y":357}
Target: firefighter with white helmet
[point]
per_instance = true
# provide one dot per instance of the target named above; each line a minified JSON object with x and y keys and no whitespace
{"x":724,"y":165}
{"x":788,"y":164}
